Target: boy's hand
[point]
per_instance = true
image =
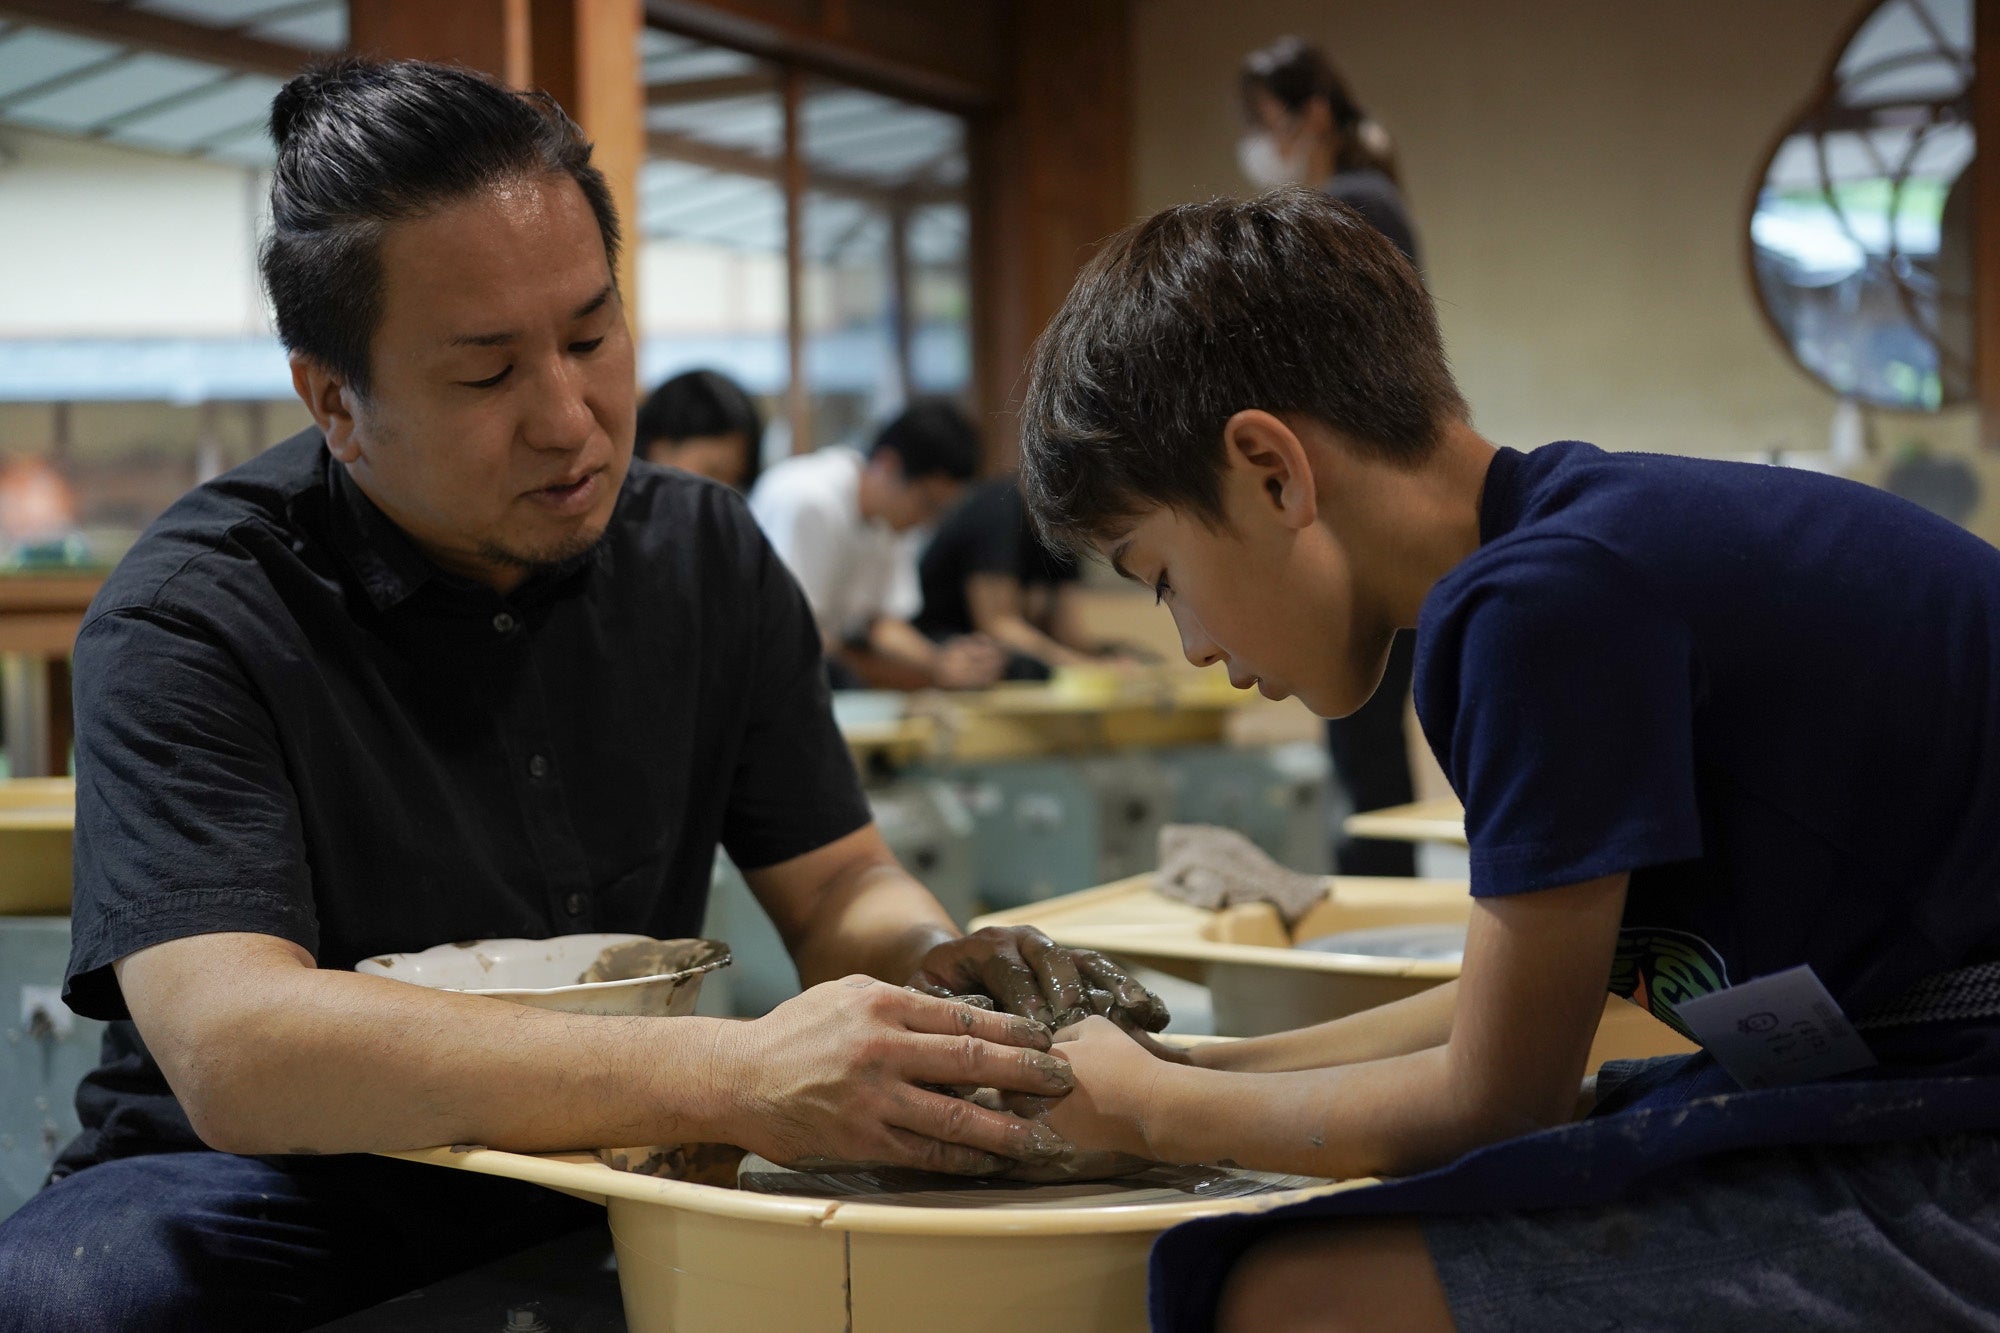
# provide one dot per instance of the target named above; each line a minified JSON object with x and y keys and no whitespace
{"x":1115,"y":1082}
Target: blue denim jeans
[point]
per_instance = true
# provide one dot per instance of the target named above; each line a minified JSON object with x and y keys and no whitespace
{"x":206,"y":1240}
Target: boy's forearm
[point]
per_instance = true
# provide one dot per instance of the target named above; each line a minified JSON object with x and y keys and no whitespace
{"x":1385,"y":1117}
{"x":1415,"y":1023}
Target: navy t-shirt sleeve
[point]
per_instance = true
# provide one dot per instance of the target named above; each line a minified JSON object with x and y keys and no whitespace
{"x":1560,"y":696}
{"x":186,"y":823}
{"x":795,"y":788}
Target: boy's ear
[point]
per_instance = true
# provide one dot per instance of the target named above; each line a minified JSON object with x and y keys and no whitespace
{"x":1266,"y":457}
{"x":331,"y":403}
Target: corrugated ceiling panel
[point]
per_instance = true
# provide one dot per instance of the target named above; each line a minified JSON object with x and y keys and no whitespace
{"x":94,"y":98}
{"x":35,"y":55}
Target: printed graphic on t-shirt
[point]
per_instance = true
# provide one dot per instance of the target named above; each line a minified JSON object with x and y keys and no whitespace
{"x":1658,"y":968}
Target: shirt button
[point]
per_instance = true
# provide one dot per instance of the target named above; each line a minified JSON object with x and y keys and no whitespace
{"x":504,"y":623}
{"x":575,"y":903}
{"x":538,"y":766}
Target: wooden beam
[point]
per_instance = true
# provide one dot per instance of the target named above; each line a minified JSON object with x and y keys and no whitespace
{"x":941,"y":54}
{"x":1986,"y":219}
{"x":684,"y":91}
{"x":148,"y":31}
{"x":678,"y":147}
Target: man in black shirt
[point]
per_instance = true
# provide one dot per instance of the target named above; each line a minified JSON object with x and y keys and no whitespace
{"x":451,"y":665}
{"x":986,"y":571}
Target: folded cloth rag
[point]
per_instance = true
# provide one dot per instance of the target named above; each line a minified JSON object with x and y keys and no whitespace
{"x":1217,"y":867}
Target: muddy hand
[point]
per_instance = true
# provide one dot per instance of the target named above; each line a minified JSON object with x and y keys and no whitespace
{"x":1029,"y":974}
{"x":849,"y":1071}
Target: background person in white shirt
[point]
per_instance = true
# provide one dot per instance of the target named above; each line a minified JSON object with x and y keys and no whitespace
{"x":837,"y":520}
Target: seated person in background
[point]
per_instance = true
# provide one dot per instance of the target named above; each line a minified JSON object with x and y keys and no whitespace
{"x":988,"y":572}
{"x":449,"y":665}
{"x":701,"y":421}
{"x":838,"y":519}
{"x":1726,"y":737}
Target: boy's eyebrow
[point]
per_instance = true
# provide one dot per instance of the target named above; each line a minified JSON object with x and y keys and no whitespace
{"x":590,"y":307}
{"x":1118,"y":562}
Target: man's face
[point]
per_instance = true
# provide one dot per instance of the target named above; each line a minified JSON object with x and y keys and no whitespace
{"x":1274,"y":602}
{"x":498,"y":428}
{"x":905,"y":504}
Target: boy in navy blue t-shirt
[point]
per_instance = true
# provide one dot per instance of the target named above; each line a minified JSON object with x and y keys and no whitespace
{"x":1728,"y":739}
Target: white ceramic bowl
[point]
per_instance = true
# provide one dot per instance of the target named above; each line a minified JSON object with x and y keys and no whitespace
{"x":641,"y":976}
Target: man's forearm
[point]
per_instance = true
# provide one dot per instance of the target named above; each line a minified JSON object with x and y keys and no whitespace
{"x":310,"y":1060}
{"x":900,"y":640}
{"x":877,"y":920}
{"x":1415,"y":1023}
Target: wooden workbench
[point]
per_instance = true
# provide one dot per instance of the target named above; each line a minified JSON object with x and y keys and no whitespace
{"x":1033,"y":721}
{"x":40,"y":614}
{"x":1420,"y":821}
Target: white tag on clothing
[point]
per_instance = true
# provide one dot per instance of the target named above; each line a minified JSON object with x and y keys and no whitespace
{"x":1776,"y":1030}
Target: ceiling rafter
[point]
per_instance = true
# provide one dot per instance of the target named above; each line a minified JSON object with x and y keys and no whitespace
{"x":681,"y":92}
{"x":147,"y":31}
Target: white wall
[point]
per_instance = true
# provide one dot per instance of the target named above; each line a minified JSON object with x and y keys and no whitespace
{"x":1581,"y":173}
{"x":99,"y":241}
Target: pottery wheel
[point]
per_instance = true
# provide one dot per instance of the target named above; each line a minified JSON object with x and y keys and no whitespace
{"x":925,"y":1189}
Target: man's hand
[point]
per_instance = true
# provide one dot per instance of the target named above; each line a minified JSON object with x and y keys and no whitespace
{"x":847,"y":1072}
{"x":969,"y":662}
{"x":1027,"y":973}
{"x":1115,"y":1082}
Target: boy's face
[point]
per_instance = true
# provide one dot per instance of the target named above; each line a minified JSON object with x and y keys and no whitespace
{"x":1271,"y":593}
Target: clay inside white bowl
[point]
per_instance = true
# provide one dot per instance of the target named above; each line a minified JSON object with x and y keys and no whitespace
{"x":578,"y":974}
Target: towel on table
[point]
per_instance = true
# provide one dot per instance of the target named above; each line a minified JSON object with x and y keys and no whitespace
{"x":1213,"y":868}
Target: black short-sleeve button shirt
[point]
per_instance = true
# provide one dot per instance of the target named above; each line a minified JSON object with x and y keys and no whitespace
{"x":289,"y":722}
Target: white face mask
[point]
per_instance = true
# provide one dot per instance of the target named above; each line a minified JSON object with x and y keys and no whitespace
{"x":1264,"y":164}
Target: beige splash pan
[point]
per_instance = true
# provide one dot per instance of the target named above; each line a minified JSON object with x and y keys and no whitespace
{"x":37,"y":823}
{"x":1260,"y":983}
{"x":699,"y":1257}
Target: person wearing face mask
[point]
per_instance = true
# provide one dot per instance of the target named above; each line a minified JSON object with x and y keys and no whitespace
{"x":1304,"y":128}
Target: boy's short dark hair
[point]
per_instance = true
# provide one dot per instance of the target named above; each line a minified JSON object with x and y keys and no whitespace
{"x":364,"y":143}
{"x":1288,"y":302}
{"x":933,"y":438}
{"x":702,"y":403}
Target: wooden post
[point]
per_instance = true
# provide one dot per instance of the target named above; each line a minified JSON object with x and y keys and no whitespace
{"x":798,"y":406}
{"x":489,"y":35}
{"x":902,"y":292}
{"x":1986,"y":218}
{"x":584,"y":53}
{"x":1051,"y":178}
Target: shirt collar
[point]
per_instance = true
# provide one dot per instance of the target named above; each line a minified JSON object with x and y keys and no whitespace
{"x":383,"y":557}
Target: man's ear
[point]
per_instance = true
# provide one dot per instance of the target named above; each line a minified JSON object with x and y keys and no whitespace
{"x":1265,"y":456}
{"x":331,"y":403}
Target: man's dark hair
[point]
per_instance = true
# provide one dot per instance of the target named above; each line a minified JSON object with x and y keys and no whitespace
{"x":1288,"y":302}
{"x":933,"y":438}
{"x":698,"y":403}
{"x":364,"y":143}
